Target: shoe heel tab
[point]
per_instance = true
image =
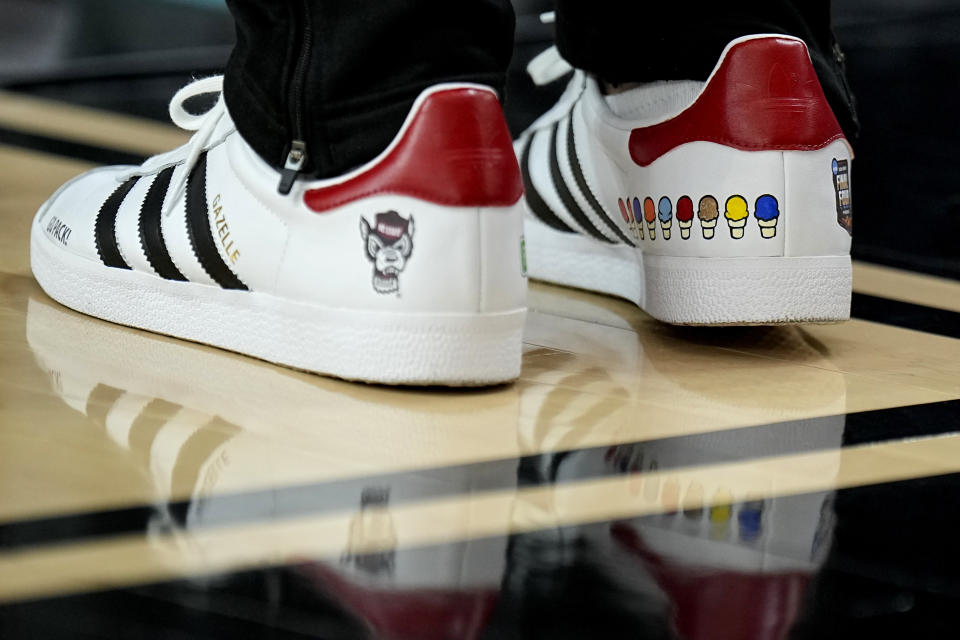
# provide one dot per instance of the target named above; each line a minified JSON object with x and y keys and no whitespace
{"x":762,"y":53}
{"x":763,"y":95}
{"x":763,"y":42}
{"x":454,"y":149}
{"x":771,"y":78}
{"x":481,"y":90}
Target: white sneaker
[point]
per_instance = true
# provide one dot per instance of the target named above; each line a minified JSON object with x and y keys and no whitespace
{"x":725,"y":202}
{"x":407,"y":270}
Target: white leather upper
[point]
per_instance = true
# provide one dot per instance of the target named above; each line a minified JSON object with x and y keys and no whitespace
{"x":800,"y":181}
{"x":464,"y":259}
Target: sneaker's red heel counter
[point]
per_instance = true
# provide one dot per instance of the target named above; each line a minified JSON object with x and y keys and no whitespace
{"x":455,"y":150}
{"x":764,"y":96}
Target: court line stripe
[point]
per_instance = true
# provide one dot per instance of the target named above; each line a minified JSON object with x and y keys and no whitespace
{"x":906,"y":315}
{"x":68,"y":148}
{"x":906,"y":286}
{"x":624,"y":532}
{"x":87,"y":125}
{"x":726,"y":446}
{"x":135,"y":559}
{"x":942,"y":267}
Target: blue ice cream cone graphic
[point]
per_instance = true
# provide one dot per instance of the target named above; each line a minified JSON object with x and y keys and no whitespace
{"x":666,"y":216}
{"x":767,"y":212}
{"x":638,"y":217}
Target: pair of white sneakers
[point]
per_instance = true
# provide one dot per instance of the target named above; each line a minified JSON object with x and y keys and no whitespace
{"x":724,"y":202}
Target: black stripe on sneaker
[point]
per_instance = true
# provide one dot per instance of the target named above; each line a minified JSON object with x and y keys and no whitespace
{"x":151,"y":235}
{"x":565,"y":196}
{"x":539,"y":208}
{"x":906,"y":314}
{"x":105,"y":227}
{"x":585,"y":188}
{"x":200,"y":232}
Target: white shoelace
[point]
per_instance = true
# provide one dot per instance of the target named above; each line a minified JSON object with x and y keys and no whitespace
{"x":548,"y":66}
{"x":204,"y":124}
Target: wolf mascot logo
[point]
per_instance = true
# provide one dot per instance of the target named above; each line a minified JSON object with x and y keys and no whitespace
{"x":389,"y":245}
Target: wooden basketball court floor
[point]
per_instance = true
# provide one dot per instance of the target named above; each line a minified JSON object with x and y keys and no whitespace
{"x":638,"y":479}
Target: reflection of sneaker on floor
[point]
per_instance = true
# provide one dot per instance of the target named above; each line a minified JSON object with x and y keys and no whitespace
{"x":675,"y":370}
{"x":758,"y":136}
{"x":406,"y":270}
{"x":278,"y":427}
{"x":226,"y":440}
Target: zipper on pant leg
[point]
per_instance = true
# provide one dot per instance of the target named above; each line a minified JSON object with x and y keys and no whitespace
{"x":297,"y":154}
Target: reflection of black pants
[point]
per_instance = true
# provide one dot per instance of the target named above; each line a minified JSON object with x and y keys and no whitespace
{"x":341,"y":75}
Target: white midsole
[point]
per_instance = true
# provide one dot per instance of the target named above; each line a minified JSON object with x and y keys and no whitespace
{"x":392,"y":348}
{"x":696,"y":290}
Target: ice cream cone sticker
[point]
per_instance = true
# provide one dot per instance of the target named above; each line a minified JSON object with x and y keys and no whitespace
{"x":736,"y":215}
{"x":666,"y":216}
{"x":625,"y":213}
{"x":767,"y":212}
{"x":708,"y":212}
{"x":685,"y":216}
{"x":638,"y":217}
{"x":650,"y":215}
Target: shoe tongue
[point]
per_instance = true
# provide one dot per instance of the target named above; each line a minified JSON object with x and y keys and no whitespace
{"x":652,"y":101}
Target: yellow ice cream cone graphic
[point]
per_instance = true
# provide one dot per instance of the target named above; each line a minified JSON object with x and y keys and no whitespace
{"x":736,"y":215}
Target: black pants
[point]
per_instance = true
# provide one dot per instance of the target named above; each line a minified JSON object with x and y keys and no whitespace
{"x":341,"y":75}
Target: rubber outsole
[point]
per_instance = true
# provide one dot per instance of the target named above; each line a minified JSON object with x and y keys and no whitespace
{"x":397,"y":349}
{"x":696,"y":291}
